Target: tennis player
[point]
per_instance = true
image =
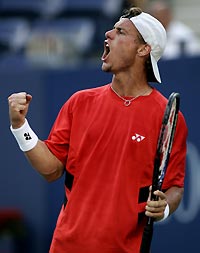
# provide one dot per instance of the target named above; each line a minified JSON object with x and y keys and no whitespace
{"x":104,"y":140}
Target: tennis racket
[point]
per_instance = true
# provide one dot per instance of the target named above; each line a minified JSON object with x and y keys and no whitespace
{"x":163,"y":151}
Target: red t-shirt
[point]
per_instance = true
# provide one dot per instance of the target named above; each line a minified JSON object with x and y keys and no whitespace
{"x":108,"y":150}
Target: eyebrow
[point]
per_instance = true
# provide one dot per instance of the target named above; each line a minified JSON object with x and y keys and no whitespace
{"x":119,"y":28}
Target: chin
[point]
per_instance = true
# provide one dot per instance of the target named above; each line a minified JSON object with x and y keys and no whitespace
{"x":106,"y":68}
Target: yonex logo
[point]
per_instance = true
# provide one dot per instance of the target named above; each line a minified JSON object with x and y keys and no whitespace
{"x":137,"y":137}
{"x":27,"y":136}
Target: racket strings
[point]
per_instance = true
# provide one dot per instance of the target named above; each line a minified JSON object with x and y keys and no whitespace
{"x":166,"y":142}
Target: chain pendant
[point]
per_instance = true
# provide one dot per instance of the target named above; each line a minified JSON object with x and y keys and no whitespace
{"x":127,"y":102}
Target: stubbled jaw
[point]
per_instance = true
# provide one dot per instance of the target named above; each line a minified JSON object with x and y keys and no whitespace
{"x":106,"y":51}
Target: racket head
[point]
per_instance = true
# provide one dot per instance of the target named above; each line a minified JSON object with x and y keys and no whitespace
{"x":165,"y":140}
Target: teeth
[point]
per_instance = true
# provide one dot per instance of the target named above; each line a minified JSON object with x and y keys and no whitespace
{"x":107,"y":46}
{"x":106,"y":50}
{"x":106,"y":43}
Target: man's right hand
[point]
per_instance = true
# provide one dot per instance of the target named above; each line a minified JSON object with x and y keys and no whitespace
{"x":18,"y":108}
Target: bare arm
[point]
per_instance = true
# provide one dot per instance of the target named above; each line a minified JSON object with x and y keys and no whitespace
{"x":172,"y":197}
{"x":40,"y":157}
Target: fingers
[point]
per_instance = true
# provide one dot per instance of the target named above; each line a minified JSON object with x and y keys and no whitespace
{"x":28,"y":98}
{"x":18,"y":107}
{"x":156,"y":209}
{"x":17,"y":100}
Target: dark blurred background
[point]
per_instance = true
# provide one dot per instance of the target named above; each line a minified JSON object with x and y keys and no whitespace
{"x":52,"y":48}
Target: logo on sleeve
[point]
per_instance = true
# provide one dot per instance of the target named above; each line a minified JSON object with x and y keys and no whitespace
{"x":138,"y":137}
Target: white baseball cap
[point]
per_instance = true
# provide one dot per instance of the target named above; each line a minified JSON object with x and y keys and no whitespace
{"x":154,"y":34}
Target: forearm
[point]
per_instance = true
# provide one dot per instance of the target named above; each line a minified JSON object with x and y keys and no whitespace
{"x":36,"y":151}
{"x":41,"y":158}
{"x":174,"y":196}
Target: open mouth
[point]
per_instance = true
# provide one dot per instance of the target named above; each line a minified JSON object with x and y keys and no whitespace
{"x":106,"y":50}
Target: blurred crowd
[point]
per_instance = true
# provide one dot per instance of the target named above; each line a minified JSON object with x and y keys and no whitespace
{"x":57,"y":33}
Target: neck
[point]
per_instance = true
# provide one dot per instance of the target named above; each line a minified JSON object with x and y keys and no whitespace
{"x":128,"y":87}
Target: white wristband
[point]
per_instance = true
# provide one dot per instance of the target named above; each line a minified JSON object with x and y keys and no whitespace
{"x":25,"y":136}
{"x":166,"y":213}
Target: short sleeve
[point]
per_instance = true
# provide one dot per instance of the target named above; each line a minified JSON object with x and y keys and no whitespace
{"x":58,"y":139}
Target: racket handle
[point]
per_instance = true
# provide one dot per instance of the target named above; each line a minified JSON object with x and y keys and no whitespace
{"x":147,"y":237}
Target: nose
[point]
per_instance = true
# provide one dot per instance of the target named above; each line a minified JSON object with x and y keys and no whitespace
{"x":109,"y":34}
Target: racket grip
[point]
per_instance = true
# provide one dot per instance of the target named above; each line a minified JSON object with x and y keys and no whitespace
{"x":147,"y":237}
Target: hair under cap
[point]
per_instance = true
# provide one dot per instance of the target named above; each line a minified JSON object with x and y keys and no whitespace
{"x":154,"y":34}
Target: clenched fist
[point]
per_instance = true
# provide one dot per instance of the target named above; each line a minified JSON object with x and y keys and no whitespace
{"x":18,"y":108}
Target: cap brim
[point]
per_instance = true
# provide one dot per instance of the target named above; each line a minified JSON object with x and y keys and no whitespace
{"x":155,"y":69}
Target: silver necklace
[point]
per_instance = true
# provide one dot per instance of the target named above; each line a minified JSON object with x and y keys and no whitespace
{"x":127,"y":102}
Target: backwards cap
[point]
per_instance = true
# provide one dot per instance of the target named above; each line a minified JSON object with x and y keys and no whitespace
{"x":154,"y":34}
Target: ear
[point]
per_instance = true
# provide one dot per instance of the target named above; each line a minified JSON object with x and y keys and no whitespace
{"x":144,"y":50}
